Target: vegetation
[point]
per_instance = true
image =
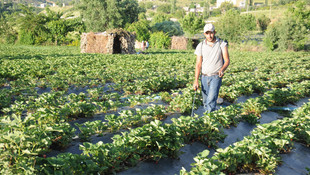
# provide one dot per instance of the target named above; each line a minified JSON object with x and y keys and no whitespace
{"x":192,"y":24}
{"x":292,"y":32}
{"x":59,"y":27}
{"x":37,"y":106}
{"x":102,"y":15}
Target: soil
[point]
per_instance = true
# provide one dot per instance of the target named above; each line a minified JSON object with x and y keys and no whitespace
{"x":294,"y":162}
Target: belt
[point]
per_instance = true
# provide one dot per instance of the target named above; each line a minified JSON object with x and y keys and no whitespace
{"x":209,"y":74}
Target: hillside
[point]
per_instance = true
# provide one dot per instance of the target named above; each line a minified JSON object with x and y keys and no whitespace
{"x":37,"y":2}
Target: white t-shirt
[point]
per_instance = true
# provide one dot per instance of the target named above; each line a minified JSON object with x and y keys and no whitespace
{"x":212,"y":57}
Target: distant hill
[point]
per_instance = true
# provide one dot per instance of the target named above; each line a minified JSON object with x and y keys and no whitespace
{"x":37,"y":2}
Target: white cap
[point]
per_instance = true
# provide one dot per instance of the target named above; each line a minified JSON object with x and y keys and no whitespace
{"x":208,"y":27}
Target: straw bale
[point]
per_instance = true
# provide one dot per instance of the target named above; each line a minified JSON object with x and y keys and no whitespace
{"x":112,"y":41}
{"x":179,"y":43}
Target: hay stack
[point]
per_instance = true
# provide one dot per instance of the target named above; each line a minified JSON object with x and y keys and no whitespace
{"x":112,"y":41}
{"x":179,"y":43}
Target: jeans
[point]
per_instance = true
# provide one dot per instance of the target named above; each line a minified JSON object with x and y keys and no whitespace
{"x":210,"y":86}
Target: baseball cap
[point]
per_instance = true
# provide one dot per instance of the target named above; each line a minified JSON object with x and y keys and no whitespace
{"x":208,"y":27}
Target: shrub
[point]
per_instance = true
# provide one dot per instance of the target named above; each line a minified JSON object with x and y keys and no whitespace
{"x":271,"y":37}
{"x":262,"y":23}
{"x":26,"y":37}
{"x":160,"y":40}
{"x":290,"y":33}
{"x":249,"y":22}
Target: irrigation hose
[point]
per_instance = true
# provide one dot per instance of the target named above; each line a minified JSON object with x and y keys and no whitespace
{"x":193,"y":104}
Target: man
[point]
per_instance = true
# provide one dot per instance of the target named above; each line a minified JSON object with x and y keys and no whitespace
{"x":212,"y":61}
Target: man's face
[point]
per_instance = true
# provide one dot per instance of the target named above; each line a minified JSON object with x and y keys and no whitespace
{"x":210,"y":36}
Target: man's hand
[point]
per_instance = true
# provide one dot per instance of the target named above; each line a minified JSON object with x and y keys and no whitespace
{"x":195,"y":86}
{"x":221,"y":74}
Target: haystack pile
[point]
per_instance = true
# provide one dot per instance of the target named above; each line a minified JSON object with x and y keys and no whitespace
{"x":111,"y":42}
{"x":179,"y":42}
{"x":183,"y":43}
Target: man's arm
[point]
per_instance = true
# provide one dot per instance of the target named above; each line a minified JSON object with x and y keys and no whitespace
{"x":197,"y":71}
{"x":226,"y":59}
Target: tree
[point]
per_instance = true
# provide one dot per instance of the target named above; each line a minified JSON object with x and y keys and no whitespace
{"x":160,"y":40}
{"x":164,"y":8}
{"x":141,"y":28}
{"x":249,"y":22}
{"x":159,"y":17}
{"x":262,"y":23}
{"x":102,"y":15}
{"x":192,"y":24}
{"x":225,"y":6}
{"x":31,"y":26}
{"x":291,"y":33}
{"x":230,"y":26}
{"x":170,"y":27}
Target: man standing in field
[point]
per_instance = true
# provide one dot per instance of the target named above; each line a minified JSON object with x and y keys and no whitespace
{"x":212,"y":60}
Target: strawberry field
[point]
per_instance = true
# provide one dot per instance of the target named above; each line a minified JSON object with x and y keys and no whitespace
{"x":63,"y":112}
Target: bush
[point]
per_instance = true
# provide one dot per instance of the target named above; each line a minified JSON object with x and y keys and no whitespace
{"x":249,"y":22}
{"x":290,"y":33}
{"x":271,"y":37}
{"x":262,"y":23}
{"x":231,"y":26}
{"x":169,"y":27}
{"x":160,"y":40}
{"x":26,"y":37}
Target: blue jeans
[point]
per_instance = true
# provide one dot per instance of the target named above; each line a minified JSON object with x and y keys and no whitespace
{"x":210,"y":86}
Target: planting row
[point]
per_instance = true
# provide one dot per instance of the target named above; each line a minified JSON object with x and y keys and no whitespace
{"x":23,"y":71}
{"x":259,"y":152}
{"x":154,"y":141}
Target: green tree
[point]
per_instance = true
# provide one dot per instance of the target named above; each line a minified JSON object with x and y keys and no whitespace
{"x":262,"y":23}
{"x":225,"y":6}
{"x":141,"y":28}
{"x":179,"y":13}
{"x":160,"y":40}
{"x":249,"y":22}
{"x":164,"y":8}
{"x":230,"y":26}
{"x":170,"y":27}
{"x":192,"y":24}
{"x":31,"y":26}
{"x":159,"y":17}
{"x":129,"y":10}
{"x":102,"y":15}
{"x":7,"y":33}
{"x":291,"y":33}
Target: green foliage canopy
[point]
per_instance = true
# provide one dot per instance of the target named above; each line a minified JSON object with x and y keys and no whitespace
{"x":102,"y":15}
{"x":192,"y":24}
{"x":232,"y":26}
{"x":141,"y":28}
{"x":292,"y":32}
{"x":160,"y":40}
{"x":170,"y":27}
